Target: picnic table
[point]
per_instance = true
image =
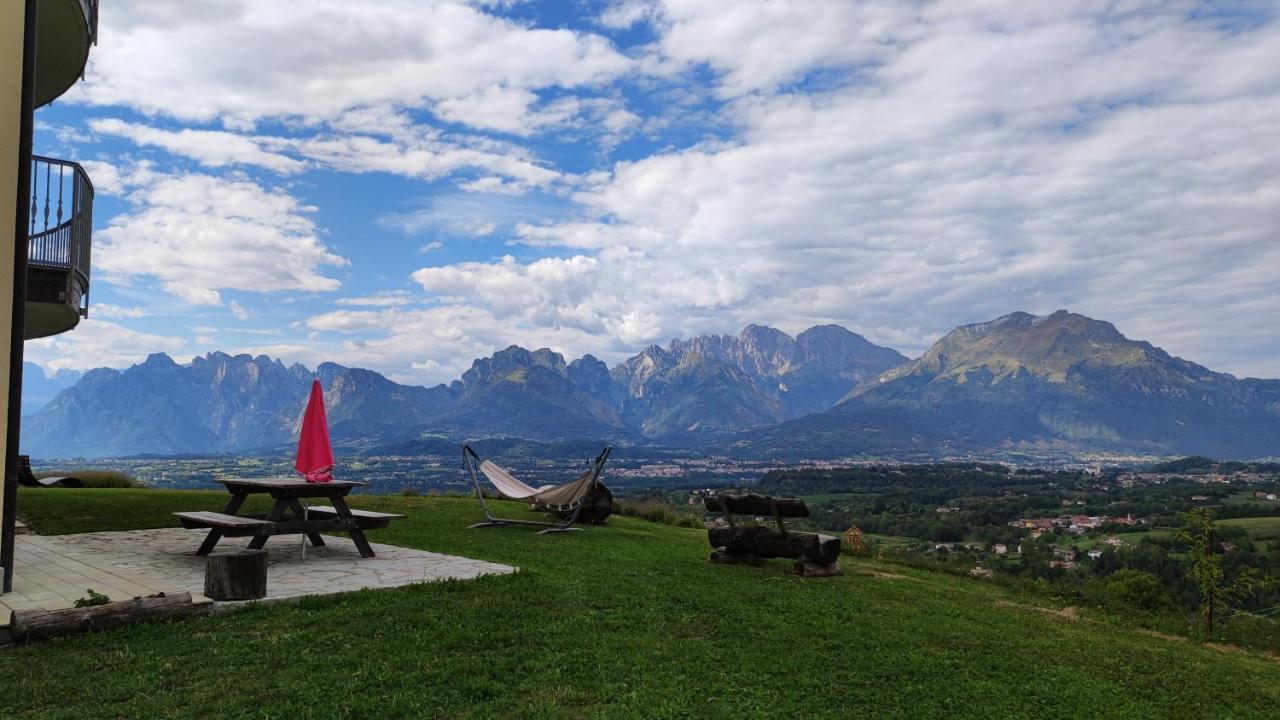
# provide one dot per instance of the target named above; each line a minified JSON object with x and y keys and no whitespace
{"x":287,"y":516}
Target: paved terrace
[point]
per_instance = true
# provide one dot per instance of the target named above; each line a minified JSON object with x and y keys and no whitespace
{"x":51,"y":572}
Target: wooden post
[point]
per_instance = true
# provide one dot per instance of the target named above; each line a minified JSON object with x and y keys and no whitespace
{"x":236,"y":575}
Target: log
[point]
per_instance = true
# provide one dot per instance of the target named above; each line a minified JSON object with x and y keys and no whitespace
{"x":753,"y":504}
{"x":768,"y":542}
{"x":41,"y":624}
{"x":805,"y":568}
{"x":725,"y":557}
{"x":236,"y":575}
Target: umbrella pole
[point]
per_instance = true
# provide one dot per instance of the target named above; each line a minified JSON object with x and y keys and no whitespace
{"x":305,"y":509}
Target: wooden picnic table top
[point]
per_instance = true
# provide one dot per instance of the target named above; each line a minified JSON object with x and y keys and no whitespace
{"x":287,"y":484}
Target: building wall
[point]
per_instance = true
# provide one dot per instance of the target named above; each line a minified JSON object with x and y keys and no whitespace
{"x":11,"y":29}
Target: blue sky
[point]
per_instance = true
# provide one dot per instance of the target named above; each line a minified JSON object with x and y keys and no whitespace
{"x":408,"y":184}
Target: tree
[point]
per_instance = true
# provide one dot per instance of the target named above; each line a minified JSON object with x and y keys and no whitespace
{"x":1206,"y":570}
{"x":1132,"y":590}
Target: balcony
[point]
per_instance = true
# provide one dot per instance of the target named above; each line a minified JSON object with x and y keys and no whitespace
{"x":64,"y":31}
{"x":59,"y":247}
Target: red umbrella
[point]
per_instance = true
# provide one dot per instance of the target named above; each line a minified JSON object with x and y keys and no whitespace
{"x":315,"y":456}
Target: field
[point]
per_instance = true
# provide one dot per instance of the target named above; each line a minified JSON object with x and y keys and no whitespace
{"x":626,"y":620}
{"x":1259,"y":528}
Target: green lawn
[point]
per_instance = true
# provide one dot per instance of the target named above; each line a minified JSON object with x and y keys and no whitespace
{"x":1247,"y":497}
{"x":627,"y":620}
{"x":1259,"y":528}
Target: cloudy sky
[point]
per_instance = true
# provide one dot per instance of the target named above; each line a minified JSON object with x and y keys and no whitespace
{"x":408,"y":184}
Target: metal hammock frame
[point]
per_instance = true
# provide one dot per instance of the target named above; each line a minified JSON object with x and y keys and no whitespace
{"x":473,"y":463}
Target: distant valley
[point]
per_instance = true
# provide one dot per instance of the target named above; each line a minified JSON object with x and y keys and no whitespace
{"x":1061,"y":383}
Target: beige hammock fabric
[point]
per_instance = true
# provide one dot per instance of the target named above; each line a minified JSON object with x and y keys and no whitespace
{"x":557,"y":497}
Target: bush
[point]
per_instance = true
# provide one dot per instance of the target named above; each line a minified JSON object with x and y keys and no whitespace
{"x":96,"y":478}
{"x":408,"y":491}
{"x":1131,"y":590}
{"x":656,"y":511}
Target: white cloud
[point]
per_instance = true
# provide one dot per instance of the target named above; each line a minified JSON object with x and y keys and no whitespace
{"x":385,"y":298}
{"x":417,"y":152}
{"x":213,"y":148}
{"x":626,"y":13}
{"x":429,"y":345}
{"x":112,"y":312}
{"x":432,"y":246}
{"x":471,"y":215}
{"x":547,"y":292}
{"x":400,"y":148}
{"x":198,"y":234}
{"x":318,"y":59}
{"x":98,"y":343}
{"x":105,"y":177}
{"x":238,"y":310}
{"x":759,"y":45}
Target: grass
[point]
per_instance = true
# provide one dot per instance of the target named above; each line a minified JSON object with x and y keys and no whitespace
{"x":1259,"y":528}
{"x":626,"y":620}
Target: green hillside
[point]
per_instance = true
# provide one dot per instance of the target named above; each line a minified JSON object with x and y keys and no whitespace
{"x":627,"y":620}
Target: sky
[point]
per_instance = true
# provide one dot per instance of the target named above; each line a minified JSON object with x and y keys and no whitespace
{"x":406,"y":185}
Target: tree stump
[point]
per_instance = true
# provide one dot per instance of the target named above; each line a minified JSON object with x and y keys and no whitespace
{"x":236,"y":575}
{"x":597,"y":506}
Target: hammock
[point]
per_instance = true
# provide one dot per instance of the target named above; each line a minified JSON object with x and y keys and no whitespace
{"x":559,"y":498}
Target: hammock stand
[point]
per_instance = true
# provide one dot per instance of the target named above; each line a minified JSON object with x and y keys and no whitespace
{"x":558,"y":498}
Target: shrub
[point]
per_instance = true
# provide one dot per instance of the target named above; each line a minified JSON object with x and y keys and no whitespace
{"x":656,"y":511}
{"x":1131,"y":590}
{"x":92,"y":598}
{"x":96,"y":478}
{"x":408,"y":491}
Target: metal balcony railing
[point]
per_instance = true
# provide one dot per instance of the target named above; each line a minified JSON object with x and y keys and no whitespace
{"x":90,"y":8}
{"x":61,"y":221}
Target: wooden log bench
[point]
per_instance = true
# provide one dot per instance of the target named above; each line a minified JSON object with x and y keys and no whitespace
{"x":816,"y":555}
{"x":365,"y":519}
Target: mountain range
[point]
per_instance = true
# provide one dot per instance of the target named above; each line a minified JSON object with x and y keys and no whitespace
{"x":1061,"y":383}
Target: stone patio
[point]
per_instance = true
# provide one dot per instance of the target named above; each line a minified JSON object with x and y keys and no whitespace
{"x":51,"y":572}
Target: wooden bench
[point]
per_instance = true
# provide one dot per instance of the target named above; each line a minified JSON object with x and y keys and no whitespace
{"x":365,"y":519}
{"x":815,"y":554}
{"x":230,"y":525}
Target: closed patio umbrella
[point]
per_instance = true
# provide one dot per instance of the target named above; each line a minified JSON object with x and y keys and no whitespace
{"x":315,"y":455}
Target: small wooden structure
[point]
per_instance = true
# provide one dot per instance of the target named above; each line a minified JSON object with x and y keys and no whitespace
{"x":40,"y":624}
{"x":853,"y":538}
{"x":236,"y":575}
{"x":815,"y":555}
